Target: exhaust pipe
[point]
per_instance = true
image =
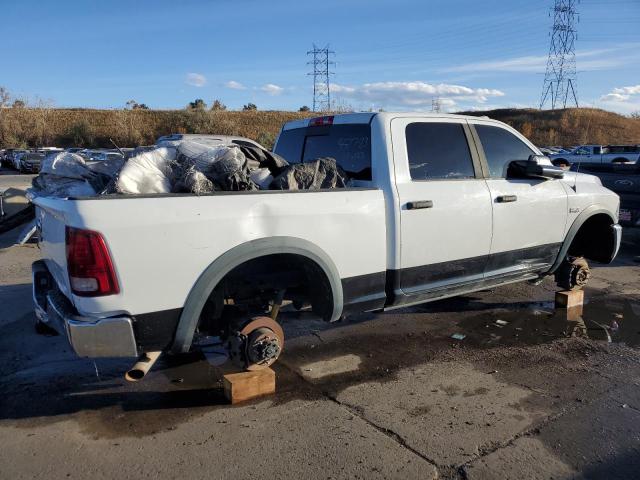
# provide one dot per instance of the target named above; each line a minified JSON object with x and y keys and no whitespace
{"x":142,"y":366}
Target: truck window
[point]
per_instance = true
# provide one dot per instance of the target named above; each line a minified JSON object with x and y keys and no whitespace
{"x":438,"y":151}
{"x":500,"y":148}
{"x":349,"y":144}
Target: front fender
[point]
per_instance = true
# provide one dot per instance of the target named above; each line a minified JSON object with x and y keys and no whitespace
{"x":586,"y":214}
{"x":224,"y":264}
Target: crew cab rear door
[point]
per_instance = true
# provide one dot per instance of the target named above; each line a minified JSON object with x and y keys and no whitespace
{"x":529,"y":215}
{"x":444,"y":204}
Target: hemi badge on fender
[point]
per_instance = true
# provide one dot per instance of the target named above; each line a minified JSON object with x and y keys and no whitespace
{"x":574,"y":210}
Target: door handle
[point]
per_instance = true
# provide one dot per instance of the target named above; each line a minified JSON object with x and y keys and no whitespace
{"x":507,"y":198}
{"x":419,"y":204}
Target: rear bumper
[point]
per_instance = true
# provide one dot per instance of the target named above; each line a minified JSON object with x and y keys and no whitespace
{"x":88,"y":336}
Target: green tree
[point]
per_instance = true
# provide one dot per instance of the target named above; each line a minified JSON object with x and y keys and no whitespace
{"x":304,"y":108}
{"x":249,"y":107}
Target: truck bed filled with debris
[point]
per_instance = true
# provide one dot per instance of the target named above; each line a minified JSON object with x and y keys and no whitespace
{"x":185,"y":166}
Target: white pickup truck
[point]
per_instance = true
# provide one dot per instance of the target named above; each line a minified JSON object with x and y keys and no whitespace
{"x":598,"y":154}
{"x":439,"y":205}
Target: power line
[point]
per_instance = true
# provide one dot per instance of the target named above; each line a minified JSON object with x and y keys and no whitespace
{"x":560,"y":77}
{"x":321,"y":73}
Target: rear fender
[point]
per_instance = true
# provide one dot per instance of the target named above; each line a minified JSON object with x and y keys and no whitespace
{"x":224,"y":264}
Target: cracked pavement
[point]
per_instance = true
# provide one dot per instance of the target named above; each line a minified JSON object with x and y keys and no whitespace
{"x":387,"y":395}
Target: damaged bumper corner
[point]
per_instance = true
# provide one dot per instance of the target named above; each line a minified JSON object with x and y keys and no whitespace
{"x":89,"y":337}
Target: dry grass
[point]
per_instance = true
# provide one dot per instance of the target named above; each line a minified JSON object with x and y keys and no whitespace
{"x":128,"y":128}
{"x":571,"y":126}
{"x":93,"y":128}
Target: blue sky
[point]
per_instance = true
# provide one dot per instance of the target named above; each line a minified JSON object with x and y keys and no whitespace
{"x":395,"y":54}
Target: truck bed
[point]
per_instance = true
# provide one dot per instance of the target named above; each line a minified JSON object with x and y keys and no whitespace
{"x":175,"y":237}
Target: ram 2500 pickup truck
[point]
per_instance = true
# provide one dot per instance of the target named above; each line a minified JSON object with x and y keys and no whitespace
{"x":438,"y":205}
{"x":599,"y":154}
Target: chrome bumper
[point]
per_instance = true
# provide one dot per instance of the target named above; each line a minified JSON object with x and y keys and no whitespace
{"x":617,"y":238}
{"x":89,"y":337}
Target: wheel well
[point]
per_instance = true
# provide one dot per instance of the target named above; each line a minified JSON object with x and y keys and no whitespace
{"x":249,"y":287}
{"x":594,"y":240}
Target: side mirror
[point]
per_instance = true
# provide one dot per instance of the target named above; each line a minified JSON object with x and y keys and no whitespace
{"x":537,"y":166}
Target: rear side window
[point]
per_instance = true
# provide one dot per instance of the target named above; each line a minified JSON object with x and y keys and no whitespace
{"x":350,"y":145}
{"x":501,"y":147}
{"x":438,"y":151}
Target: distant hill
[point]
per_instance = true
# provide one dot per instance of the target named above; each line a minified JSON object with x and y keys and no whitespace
{"x":22,"y":127}
{"x":571,"y":126}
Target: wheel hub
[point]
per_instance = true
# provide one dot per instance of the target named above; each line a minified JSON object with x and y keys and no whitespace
{"x":257,"y":345}
{"x":581,"y":276}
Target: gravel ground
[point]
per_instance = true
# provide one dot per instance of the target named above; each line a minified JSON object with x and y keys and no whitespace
{"x":387,"y":395}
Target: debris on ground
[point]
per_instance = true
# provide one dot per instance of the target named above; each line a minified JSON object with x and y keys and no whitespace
{"x":186,"y":166}
{"x":458,"y":336}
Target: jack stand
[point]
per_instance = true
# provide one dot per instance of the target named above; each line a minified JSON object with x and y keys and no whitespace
{"x":243,"y":386}
{"x":570,"y":301}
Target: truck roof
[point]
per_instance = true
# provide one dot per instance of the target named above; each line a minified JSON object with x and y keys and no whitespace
{"x":366,"y":117}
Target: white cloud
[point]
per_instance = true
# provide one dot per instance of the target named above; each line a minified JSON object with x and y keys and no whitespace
{"x":196,"y":80}
{"x":272,"y":89}
{"x":596,"y":59}
{"x":232,"y":84}
{"x":621,"y":94}
{"x":414,"y":94}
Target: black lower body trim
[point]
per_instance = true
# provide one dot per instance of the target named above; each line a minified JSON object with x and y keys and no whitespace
{"x":156,"y":330}
{"x":431,"y":282}
{"x":363,"y":293}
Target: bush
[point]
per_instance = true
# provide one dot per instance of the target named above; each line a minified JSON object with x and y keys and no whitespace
{"x":80,"y":134}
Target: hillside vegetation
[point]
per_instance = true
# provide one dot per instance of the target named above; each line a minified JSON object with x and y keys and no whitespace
{"x":571,"y":126}
{"x":31,"y":127}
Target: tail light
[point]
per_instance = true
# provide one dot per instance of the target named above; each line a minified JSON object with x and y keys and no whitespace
{"x":91,"y":272}
{"x":321,"y":121}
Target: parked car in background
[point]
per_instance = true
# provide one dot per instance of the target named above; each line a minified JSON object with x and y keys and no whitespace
{"x":623,"y":179}
{"x":598,"y":154}
{"x":15,"y":158}
{"x":222,"y":139}
{"x":31,"y":161}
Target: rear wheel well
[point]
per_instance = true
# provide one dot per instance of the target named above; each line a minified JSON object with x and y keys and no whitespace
{"x":594,"y":240}
{"x":249,"y":287}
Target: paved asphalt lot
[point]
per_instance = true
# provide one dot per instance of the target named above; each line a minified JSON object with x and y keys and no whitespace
{"x":379,"y":396}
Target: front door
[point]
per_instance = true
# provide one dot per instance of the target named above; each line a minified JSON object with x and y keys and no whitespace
{"x":529,"y":215}
{"x":445,"y":206}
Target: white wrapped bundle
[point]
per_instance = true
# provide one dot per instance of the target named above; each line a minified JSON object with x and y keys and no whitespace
{"x":147,"y":172}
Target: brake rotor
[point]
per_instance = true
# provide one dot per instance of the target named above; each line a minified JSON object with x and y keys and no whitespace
{"x":264,"y":343}
{"x":581,"y":275}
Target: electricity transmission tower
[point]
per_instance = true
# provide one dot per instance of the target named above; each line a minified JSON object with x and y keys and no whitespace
{"x":321,"y":73}
{"x":560,"y":78}
{"x":436,"y":105}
